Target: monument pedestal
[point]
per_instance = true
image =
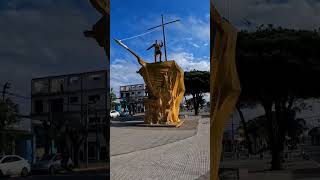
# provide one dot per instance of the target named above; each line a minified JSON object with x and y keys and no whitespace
{"x":165,"y":87}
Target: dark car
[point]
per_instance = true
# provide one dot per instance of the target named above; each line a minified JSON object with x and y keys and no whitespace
{"x":53,"y":163}
{"x":124,"y":114}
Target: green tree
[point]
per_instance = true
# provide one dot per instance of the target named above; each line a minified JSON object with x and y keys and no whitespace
{"x":196,"y":84}
{"x":9,"y":112}
{"x":113,"y":98}
{"x":276,"y":67}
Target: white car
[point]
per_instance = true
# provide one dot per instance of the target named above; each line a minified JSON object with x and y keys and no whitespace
{"x":14,"y":165}
{"x":114,"y":114}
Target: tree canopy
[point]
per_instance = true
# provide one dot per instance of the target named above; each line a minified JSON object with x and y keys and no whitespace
{"x":276,"y":67}
{"x":196,"y":84}
{"x":113,"y":98}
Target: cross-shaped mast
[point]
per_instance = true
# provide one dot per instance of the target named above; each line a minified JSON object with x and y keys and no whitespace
{"x":164,"y":37}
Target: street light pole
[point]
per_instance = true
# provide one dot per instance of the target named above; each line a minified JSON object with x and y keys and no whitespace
{"x":87,"y":120}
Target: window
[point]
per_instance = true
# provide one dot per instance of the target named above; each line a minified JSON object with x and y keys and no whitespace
{"x":57,"y":85}
{"x":38,"y":106}
{"x":56,"y":105}
{"x":6,"y":160}
{"x":93,"y":120}
{"x":58,"y":157}
{"x":74,"y":80}
{"x":15,"y":158}
{"x":93,"y":98}
{"x":74,"y":99}
{"x":38,"y":86}
{"x":132,"y":93}
{"x":95,"y":77}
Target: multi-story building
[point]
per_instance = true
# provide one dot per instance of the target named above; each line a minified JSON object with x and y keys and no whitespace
{"x":68,"y":106}
{"x":134,"y":95}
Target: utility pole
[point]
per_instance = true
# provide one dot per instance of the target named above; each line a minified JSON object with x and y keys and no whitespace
{"x":87,"y":121}
{"x":4,"y":90}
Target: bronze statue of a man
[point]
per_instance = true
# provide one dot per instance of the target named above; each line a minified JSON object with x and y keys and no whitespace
{"x":157,"y":50}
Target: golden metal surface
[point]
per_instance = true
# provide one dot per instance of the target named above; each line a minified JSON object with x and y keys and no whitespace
{"x":165,"y":86}
{"x":225,"y":86}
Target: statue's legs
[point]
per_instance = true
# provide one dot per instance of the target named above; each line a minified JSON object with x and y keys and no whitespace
{"x":155,"y":58}
{"x":160,"y":56}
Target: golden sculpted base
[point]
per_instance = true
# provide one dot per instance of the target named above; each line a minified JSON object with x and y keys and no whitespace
{"x":165,"y":87}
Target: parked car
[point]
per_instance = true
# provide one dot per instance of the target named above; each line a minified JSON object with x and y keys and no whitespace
{"x":114,"y":114}
{"x":124,"y":114}
{"x":53,"y":163}
{"x":14,"y":165}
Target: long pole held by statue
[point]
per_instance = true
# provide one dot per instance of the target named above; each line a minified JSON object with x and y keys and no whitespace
{"x":164,"y":40}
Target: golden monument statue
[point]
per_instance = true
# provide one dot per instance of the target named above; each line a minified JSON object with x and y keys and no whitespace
{"x":165,"y":86}
{"x":164,"y":83}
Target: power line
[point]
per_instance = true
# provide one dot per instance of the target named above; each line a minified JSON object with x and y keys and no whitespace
{"x":132,"y":37}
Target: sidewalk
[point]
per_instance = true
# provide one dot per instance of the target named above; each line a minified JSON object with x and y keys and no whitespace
{"x":294,"y":169}
{"x":186,"y":159}
{"x":93,"y":166}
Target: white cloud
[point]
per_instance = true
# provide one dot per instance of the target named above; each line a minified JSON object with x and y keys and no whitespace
{"x":195,"y":45}
{"x":123,"y":72}
{"x":188,"y":62}
{"x":195,"y":27}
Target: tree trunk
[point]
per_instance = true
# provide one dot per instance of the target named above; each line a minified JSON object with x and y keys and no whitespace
{"x":76,"y":157}
{"x":195,"y":104}
{"x":245,"y":129}
{"x":276,"y":163}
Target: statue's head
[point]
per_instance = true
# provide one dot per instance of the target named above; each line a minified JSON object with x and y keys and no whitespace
{"x":156,"y":41}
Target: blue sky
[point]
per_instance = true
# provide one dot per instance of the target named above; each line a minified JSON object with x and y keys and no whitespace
{"x":187,"y":41}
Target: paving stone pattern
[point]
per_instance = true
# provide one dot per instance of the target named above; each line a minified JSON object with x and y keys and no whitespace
{"x":185,"y":159}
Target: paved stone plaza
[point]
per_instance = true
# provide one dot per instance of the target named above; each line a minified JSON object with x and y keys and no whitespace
{"x":140,"y":153}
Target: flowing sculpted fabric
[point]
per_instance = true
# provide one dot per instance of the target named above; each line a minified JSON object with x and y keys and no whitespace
{"x":225,"y":86}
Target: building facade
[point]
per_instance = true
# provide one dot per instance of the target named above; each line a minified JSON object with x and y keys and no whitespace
{"x":65,"y":107}
{"x":134,"y":95}
{"x":18,"y":138}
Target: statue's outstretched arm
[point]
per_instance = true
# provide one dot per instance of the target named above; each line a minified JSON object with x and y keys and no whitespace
{"x":150,"y":47}
{"x":140,"y":60}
